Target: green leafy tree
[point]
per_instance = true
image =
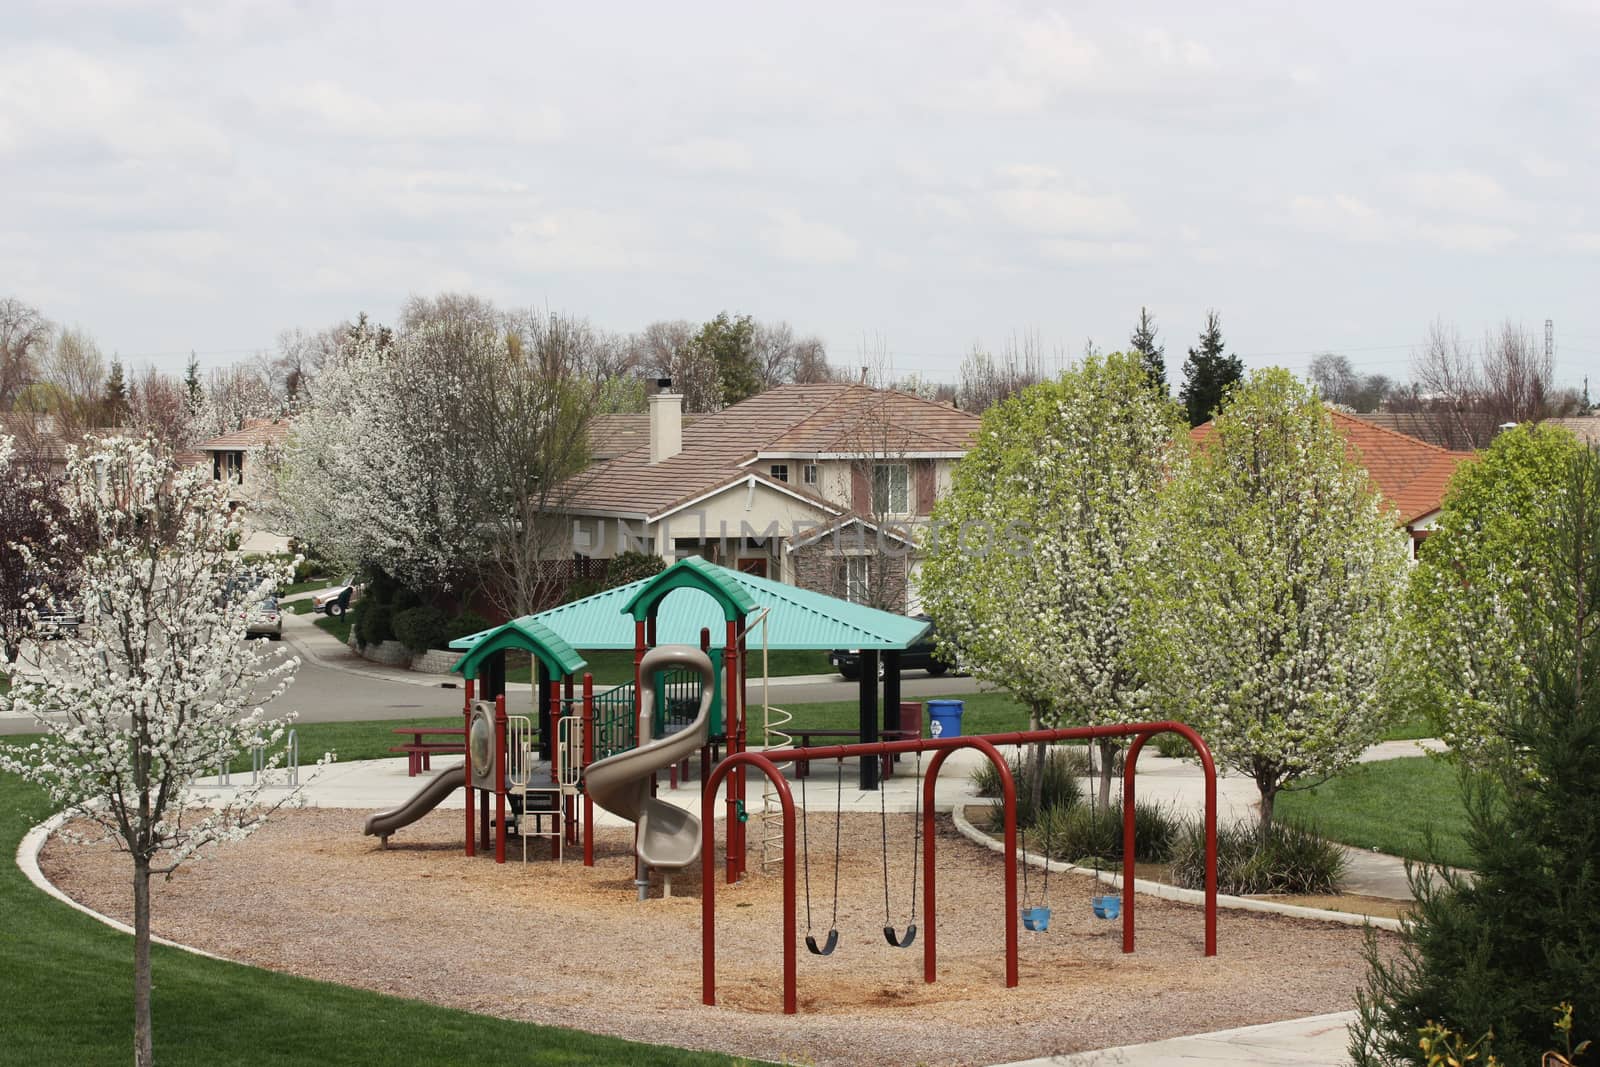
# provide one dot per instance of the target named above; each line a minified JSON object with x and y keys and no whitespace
{"x":1208,"y":373}
{"x":1268,"y":612}
{"x":1499,"y":952}
{"x":1038,"y":542}
{"x":1151,"y":354}
{"x":731,"y":344}
{"x":1463,"y":664}
{"x":194,"y":396}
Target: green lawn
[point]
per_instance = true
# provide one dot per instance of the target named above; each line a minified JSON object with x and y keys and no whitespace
{"x":1409,"y":730}
{"x":1391,"y":806}
{"x":66,"y":981}
{"x":613,"y":667}
{"x":305,"y":586}
{"x":339,"y":627}
{"x":985,"y":713}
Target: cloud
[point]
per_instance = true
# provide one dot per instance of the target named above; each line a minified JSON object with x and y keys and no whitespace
{"x":1042,"y":200}
{"x":1070,"y":251}
{"x":801,"y":240}
{"x":61,"y":102}
{"x":339,"y":110}
{"x":1349,"y":218}
{"x":1464,"y":193}
{"x":709,"y":155}
{"x":1543,"y":166}
{"x":563,"y":239}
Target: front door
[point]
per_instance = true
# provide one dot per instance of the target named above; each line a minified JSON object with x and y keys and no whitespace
{"x":756,"y":566}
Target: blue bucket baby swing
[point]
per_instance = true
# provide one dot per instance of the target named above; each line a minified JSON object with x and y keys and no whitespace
{"x":1036,"y":916}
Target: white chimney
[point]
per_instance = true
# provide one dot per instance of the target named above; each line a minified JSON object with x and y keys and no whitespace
{"x":666,"y":424}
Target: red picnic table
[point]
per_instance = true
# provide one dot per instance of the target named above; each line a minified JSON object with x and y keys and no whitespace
{"x":420,"y":749}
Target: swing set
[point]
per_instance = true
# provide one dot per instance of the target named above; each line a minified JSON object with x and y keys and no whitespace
{"x":894,"y":937}
{"x":767,"y":764}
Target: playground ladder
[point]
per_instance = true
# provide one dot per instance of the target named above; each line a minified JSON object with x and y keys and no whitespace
{"x":773,"y":737}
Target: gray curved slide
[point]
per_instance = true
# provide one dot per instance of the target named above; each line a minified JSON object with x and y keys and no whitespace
{"x":669,"y":836}
{"x":427,"y":798}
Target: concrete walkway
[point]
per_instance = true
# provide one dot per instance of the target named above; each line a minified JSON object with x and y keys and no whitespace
{"x":1316,"y":1041}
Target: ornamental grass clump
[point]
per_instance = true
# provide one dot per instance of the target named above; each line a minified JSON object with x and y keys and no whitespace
{"x":1288,"y":858}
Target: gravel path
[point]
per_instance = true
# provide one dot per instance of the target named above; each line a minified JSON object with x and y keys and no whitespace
{"x":570,"y":946}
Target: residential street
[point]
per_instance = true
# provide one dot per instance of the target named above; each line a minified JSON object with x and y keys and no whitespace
{"x":335,"y":685}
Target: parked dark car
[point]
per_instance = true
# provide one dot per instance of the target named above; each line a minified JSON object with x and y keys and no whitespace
{"x":920,"y":656}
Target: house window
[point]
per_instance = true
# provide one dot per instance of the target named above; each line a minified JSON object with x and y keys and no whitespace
{"x":808,"y":474}
{"x":891,"y":489}
{"x":228,"y":466}
{"x":780,"y":471}
{"x":854,"y":575}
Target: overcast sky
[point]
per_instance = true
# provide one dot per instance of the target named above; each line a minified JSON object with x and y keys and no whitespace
{"x":203,"y":176}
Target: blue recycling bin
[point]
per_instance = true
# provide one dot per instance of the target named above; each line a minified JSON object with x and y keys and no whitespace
{"x":946,"y":717}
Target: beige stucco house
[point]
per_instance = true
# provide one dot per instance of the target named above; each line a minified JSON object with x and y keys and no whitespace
{"x":825,"y":486}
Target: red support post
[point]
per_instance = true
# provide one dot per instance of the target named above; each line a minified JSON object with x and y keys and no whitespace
{"x":466,"y":767}
{"x":588,"y":758}
{"x":708,"y":879}
{"x":500,"y":778}
{"x":1008,"y":790}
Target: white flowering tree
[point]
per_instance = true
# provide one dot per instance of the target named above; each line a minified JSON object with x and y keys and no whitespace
{"x":30,"y":556}
{"x":159,"y":685}
{"x":1039,"y":542}
{"x":1465,"y":662}
{"x":1268,"y":613}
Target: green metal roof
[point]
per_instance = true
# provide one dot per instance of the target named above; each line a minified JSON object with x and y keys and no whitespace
{"x":692,"y":573}
{"x":528,"y":634}
{"x":798,"y":619}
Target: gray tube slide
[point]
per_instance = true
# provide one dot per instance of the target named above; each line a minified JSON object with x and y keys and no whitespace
{"x":669,"y":836}
{"x":427,"y":798}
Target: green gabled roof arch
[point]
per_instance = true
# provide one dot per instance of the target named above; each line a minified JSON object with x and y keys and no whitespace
{"x":692,"y":573}
{"x":528,"y":634}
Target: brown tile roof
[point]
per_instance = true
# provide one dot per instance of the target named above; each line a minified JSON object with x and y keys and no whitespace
{"x":790,"y":418}
{"x":612,"y":434}
{"x":253,"y":434}
{"x":1585,"y":428}
{"x":1409,"y":474}
{"x":1447,"y":429}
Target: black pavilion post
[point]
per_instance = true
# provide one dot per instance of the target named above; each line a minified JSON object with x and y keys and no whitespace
{"x":492,"y":676}
{"x":869,"y":715}
{"x":891,"y":691}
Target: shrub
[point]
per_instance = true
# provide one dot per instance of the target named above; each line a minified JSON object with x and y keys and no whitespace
{"x":305,"y":569}
{"x":1172,"y":746}
{"x":1082,"y":833}
{"x":1058,"y":788}
{"x":374,"y":622}
{"x":1291,"y":859}
{"x":421,"y":628}
{"x":468,"y":622}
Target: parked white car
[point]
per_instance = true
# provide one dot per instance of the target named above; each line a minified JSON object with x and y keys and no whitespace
{"x":264,"y":619}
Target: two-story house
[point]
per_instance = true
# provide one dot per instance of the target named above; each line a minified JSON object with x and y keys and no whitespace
{"x":824,"y":486}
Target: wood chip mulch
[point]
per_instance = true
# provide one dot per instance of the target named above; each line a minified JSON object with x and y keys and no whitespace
{"x":571,"y":946}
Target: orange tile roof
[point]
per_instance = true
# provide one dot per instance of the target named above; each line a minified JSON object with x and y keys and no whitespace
{"x":791,"y":418}
{"x":613,"y":433}
{"x":253,"y":434}
{"x":1410,"y":474}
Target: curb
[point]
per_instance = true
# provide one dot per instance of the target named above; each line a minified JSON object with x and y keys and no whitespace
{"x":1170,"y":892}
{"x":28,"y":850}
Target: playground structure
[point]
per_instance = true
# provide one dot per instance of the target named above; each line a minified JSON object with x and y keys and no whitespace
{"x":608,"y":748}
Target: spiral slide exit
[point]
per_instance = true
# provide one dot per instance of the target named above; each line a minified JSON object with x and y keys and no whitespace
{"x":669,"y":836}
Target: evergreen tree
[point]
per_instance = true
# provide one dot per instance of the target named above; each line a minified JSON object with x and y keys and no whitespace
{"x":116,"y":393}
{"x":191,"y":383}
{"x":1151,"y":354}
{"x":1493,"y":955}
{"x":730,"y":343}
{"x":1208,"y":372}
